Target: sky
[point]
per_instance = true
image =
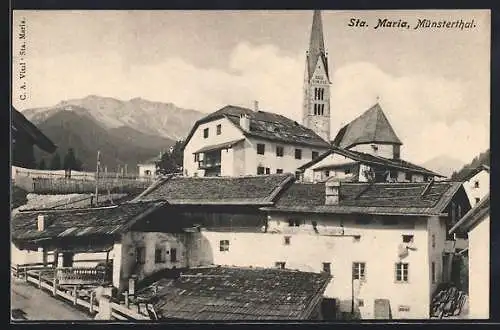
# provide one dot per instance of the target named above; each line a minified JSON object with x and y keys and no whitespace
{"x":433,"y":84}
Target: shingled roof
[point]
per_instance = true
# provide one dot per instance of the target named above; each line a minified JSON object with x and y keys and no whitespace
{"x":377,"y":198}
{"x":224,"y":293}
{"x":21,"y":124}
{"x":266,"y":125}
{"x":372,"y":160}
{"x":104,"y":221}
{"x":371,"y":127}
{"x":243,"y":190}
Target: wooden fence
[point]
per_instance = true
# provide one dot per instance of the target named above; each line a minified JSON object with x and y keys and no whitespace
{"x":44,"y":277}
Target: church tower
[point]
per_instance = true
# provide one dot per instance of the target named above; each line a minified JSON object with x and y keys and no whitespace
{"x":316,"y":106}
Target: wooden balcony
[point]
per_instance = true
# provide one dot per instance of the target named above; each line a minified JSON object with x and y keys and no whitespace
{"x":82,"y":276}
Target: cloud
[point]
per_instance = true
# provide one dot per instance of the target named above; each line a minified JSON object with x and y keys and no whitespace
{"x":432,"y":115}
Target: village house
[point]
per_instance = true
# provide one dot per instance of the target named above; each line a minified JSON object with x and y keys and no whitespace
{"x":25,"y":135}
{"x":393,"y":232}
{"x":354,"y":166}
{"x":149,"y":169}
{"x":236,"y":141}
{"x":238,"y":294}
{"x":477,"y":183}
{"x":476,"y":223}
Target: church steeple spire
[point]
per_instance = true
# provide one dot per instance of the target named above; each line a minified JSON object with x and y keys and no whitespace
{"x":316,"y":45}
{"x":316,"y":106}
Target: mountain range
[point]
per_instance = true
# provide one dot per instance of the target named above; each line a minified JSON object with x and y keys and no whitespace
{"x":443,"y":164}
{"x":125,"y":132}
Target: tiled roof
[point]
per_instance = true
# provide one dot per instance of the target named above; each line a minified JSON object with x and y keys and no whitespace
{"x":244,"y":190}
{"x":106,"y":221}
{"x":377,"y":198}
{"x":266,"y":125}
{"x":371,"y":159}
{"x":471,"y":218}
{"x":20,"y":123}
{"x":371,"y":127}
{"x":224,"y":293}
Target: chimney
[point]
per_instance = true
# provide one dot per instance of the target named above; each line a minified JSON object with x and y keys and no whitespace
{"x":256,"y":105}
{"x":41,"y":223}
{"x":332,"y":192}
{"x":245,"y":122}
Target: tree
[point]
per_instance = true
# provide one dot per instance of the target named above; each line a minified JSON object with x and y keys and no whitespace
{"x":42,"y":165}
{"x":171,"y":161}
{"x":70,"y":162}
{"x":55,"y":162}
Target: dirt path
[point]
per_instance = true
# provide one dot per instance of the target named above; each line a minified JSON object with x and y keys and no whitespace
{"x":31,"y":303}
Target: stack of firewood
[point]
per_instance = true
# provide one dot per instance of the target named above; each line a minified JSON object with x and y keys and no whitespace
{"x":448,"y":302}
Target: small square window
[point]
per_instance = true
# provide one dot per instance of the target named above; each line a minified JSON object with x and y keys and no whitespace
{"x":402,"y":272}
{"x":140,"y":256}
{"x":261,"y":148}
{"x":205,"y":133}
{"x":279,"y":151}
{"x":260,"y":170}
{"x":280,"y":264}
{"x":159,"y":255}
{"x":224,"y":245}
{"x":407,"y":238}
{"x":314,"y":155}
{"x":287,"y":240}
{"x":279,"y":171}
{"x":347,"y":171}
{"x":356,"y":238}
{"x":298,"y":153}
{"x":358,"y":271}
{"x":361,"y":303}
{"x":327,"y":173}
{"x":219,"y":129}
{"x":476,"y":184}
{"x":173,"y":255}
{"x":477,"y":199}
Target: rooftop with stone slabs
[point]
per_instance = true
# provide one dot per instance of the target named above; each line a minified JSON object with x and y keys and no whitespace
{"x":242,"y":190}
{"x":230,"y":293}
{"x":371,"y":198}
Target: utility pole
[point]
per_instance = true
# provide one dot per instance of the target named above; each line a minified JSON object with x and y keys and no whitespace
{"x":97,"y":178}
